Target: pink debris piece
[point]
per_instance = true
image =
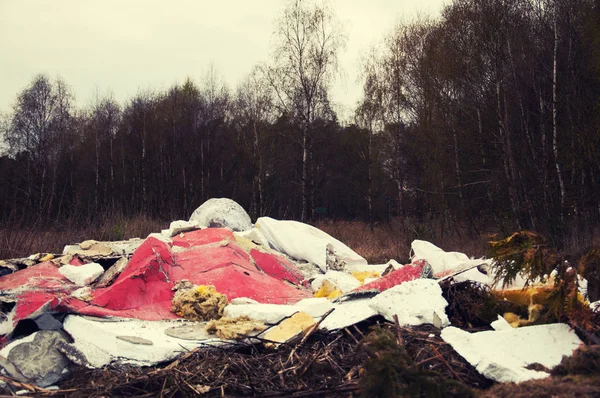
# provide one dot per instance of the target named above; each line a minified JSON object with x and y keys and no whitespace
{"x":145,"y":281}
{"x":210,"y":257}
{"x":277,"y":266}
{"x":44,"y":276}
{"x":407,"y":273}
{"x":76,"y":261}
{"x":235,"y":281}
{"x":202,"y":237}
{"x":143,"y":290}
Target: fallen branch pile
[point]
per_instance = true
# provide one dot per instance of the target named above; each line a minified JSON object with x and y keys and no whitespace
{"x":322,"y":365}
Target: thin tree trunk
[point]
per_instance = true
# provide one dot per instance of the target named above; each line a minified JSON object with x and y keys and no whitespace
{"x":507,"y":155}
{"x":554,"y":118}
{"x":202,"y":171}
{"x":370,"y":177}
{"x":185,"y":198}
{"x":304,"y":178}
{"x":144,"y":197}
{"x":112,"y":172}
{"x":258,"y":162}
{"x":52,"y":191}
{"x":458,"y":174}
{"x":97,"y":182}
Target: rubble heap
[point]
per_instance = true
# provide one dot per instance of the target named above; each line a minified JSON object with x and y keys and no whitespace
{"x":279,"y":299}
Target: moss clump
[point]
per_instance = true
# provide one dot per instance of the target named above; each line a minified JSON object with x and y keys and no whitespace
{"x":589,"y":268}
{"x":390,"y":372}
{"x":584,"y":361}
{"x":472,"y":304}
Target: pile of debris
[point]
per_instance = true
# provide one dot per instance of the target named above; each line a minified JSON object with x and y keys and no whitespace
{"x":216,"y":305}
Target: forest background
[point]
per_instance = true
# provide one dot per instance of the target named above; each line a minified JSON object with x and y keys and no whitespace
{"x":485,"y":120}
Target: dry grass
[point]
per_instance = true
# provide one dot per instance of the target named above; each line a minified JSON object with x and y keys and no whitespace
{"x":387,"y":241}
{"x":392,"y":240}
{"x":21,"y":242}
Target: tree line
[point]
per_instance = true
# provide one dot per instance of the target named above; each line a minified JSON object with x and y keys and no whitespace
{"x":488,"y":115}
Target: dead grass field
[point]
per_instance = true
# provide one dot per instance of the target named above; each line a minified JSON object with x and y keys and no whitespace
{"x":21,"y":242}
{"x":387,"y":241}
{"x":392,"y":240}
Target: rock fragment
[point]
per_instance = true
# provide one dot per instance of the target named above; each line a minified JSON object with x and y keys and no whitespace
{"x":81,"y":275}
{"x":222,"y":212}
{"x":39,"y":361}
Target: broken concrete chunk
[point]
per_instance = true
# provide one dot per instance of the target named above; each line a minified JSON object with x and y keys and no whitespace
{"x":442,"y":263}
{"x":94,"y":249}
{"x":222,"y":213}
{"x":274,"y":313}
{"x":504,"y":355}
{"x":87,"y":244}
{"x":340,"y":280}
{"x":111,"y":274}
{"x":308,"y":270}
{"x":7,"y":268}
{"x":14,"y":264}
{"x":62,"y":260}
{"x":267,"y":313}
{"x":414,"y":302}
{"x":73,"y":354}
{"x":289,"y":328}
{"x":315,"y":307}
{"x":500,"y":324}
{"x":254,"y":235}
{"x":98,"y":342}
{"x":333,"y":262}
{"x":99,"y":249}
{"x":83,"y":294}
{"x":39,"y":361}
{"x":348,"y":313}
{"x":81,"y":275}
{"x":124,"y":247}
{"x":329,"y":291}
{"x":180,"y":226}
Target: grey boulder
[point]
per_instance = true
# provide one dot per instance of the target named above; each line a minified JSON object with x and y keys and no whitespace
{"x":39,"y":361}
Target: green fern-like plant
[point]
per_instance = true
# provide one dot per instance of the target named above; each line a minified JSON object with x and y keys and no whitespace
{"x":523,"y":253}
{"x":390,"y":372}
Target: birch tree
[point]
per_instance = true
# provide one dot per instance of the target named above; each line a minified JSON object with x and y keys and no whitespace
{"x":369,"y":116}
{"x":309,"y":39}
{"x":254,"y":111}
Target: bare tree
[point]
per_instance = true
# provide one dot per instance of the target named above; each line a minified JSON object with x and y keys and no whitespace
{"x":105,"y":119}
{"x":370,"y":115}
{"x":4,"y":127}
{"x":38,"y":115}
{"x":309,"y":39}
{"x":214,"y":103}
{"x":254,"y":111}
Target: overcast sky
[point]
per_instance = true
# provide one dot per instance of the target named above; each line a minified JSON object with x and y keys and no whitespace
{"x":123,"y":46}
